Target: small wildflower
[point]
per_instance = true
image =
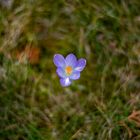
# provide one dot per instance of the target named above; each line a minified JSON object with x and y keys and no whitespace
{"x":69,"y":68}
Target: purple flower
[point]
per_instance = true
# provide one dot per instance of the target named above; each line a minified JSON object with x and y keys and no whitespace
{"x":69,"y":68}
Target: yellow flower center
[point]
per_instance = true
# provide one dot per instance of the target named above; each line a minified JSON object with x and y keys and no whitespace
{"x":68,"y":70}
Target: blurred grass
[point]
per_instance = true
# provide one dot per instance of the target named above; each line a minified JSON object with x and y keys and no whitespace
{"x":33,"y":105}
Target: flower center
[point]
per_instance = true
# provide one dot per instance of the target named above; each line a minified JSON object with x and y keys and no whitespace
{"x":68,"y":70}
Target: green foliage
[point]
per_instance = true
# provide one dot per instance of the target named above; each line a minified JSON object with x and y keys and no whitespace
{"x":33,"y":105}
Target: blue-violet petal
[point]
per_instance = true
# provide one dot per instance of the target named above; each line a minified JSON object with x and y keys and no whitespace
{"x":75,"y":75}
{"x":80,"y":65}
{"x":60,"y":72}
{"x":71,"y":60}
{"x":59,"y":60}
{"x":65,"y":82}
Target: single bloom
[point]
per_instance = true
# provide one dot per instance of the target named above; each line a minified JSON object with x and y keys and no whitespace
{"x":69,"y":68}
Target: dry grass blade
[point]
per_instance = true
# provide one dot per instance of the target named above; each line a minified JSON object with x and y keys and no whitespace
{"x":135,"y":116}
{"x":122,"y":123}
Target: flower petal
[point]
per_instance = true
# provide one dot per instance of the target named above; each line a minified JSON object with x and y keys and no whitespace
{"x":59,"y":60}
{"x":65,"y":82}
{"x":71,"y":60}
{"x":60,"y":72}
{"x":81,"y":64}
{"x":75,"y":75}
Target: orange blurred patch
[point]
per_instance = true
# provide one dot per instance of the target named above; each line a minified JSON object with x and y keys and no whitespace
{"x":31,"y":54}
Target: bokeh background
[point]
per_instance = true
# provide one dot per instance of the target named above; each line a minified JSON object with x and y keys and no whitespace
{"x":104,"y":104}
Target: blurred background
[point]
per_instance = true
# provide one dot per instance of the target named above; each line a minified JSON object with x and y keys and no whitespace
{"x":104,"y":104}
